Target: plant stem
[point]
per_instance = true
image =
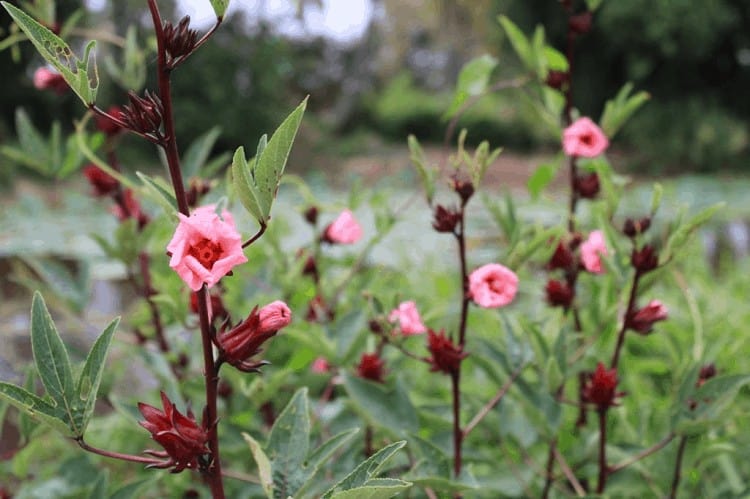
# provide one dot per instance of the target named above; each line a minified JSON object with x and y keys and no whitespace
{"x":211,"y":378}
{"x":457,"y":433}
{"x":602,"y":451}
{"x":549,"y":478}
{"x":492,"y":403}
{"x":169,"y":142}
{"x":644,"y":453}
{"x":118,"y":455}
{"x":148,"y":291}
{"x":678,"y":468}
{"x":628,"y":313}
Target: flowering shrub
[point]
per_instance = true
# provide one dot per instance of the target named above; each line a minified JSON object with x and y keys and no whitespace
{"x":339,"y":387}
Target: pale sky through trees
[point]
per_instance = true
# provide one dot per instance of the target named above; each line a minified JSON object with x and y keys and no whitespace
{"x":340,"y":20}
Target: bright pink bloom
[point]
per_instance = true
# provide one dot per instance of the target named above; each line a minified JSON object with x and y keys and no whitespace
{"x":205,"y":247}
{"x":642,"y":320}
{"x":182,"y":438}
{"x":344,"y":230}
{"x":409,"y":321}
{"x":320,"y":366}
{"x":45,"y":78}
{"x":584,"y":138}
{"x":243,"y":341}
{"x":493,"y":285}
{"x":592,"y":249}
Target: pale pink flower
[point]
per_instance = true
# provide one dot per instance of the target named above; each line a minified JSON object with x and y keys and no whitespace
{"x":344,"y":230}
{"x":320,"y":366}
{"x":45,"y":78}
{"x":592,"y":249}
{"x":492,"y":285}
{"x":205,"y":247}
{"x":584,"y":138}
{"x":274,"y":316}
{"x":409,"y":321}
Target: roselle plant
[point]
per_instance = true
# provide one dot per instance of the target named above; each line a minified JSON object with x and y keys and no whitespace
{"x":537,"y":356}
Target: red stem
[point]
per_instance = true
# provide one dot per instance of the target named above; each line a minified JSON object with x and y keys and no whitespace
{"x":118,"y":455}
{"x":147,"y":293}
{"x":457,"y":433}
{"x":628,"y":313}
{"x":678,"y":468}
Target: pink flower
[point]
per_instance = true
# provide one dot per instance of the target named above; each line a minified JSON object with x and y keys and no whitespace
{"x":320,"y":366}
{"x":592,"y":249}
{"x":343,"y":230}
{"x":492,"y":285}
{"x":642,"y":320}
{"x":584,"y":138}
{"x":205,"y":247}
{"x":45,"y":78}
{"x":409,"y":321}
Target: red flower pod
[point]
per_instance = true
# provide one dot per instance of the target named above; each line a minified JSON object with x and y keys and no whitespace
{"x":48,"y":79}
{"x":645,"y":259}
{"x":107,"y":125}
{"x":632,"y":228}
{"x":581,"y":23}
{"x":179,"y":40}
{"x":464,"y":189}
{"x":600,"y":390}
{"x":242,"y":342}
{"x":128,"y":207}
{"x":103,"y":183}
{"x":707,"y":372}
{"x":216,"y":311}
{"x":557,"y":79}
{"x":562,"y":258}
{"x":182,"y":438}
{"x":642,"y":320}
{"x":559,"y":294}
{"x":587,"y":186}
{"x":311,"y":215}
{"x":446,"y":357}
{"x":371,"y":367}
{"x":445,"y":219}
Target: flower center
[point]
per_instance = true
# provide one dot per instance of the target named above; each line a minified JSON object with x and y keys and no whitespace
{"x":206,"y":252}
{"x":496,"y":285}
{"x":587,"y":139}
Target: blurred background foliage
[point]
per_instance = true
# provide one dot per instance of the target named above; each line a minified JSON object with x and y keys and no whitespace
{"x":397,"y":78}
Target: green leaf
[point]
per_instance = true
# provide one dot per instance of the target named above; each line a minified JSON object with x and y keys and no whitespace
{"x":269,"y":167}
{"x":656,"y":198}
{"x":220,"y":7}
{"x":36,"y":407}
{"x":682,"y":233}
{"x":243,"y":185}
{"x":378,"y":488}
{"x":426,"y":173}
{"x":51,"y":357}
{"x":91,"y":375}
{"x":288,"y":445}
{"x":264,"y":465}
{"x":592,"y":5}
{"x":366,"y":472}
{"x":160,"y":192}
{"x":322,"y":454}
{"x":59,"y":280}
{"x":134,"y":489}
{"x":618,"y":110}
{"x":541,"y":178}
{"x":198,"y":152}
{"x":519,"y":42}
{"x":556,"y":60}
{"x":32,"y":142}
{"x":472,"y":81}
{"x":55,"y":51}
{"x":100,"y":486}
{"x":384,"y":405}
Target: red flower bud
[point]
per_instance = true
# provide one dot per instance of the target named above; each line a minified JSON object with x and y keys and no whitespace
{"x":179,"y":40}
{"x":445,"y":220}
{"x":183,"y":440}
{"x":562,"y":258}
{"x":242,"y":342}
{"x":318,"y":311}
{"x":707,"y":372}
{"x":48,"y":79}
{"x":580,"y":23}
{"x":446,"y":356}
{"x":559,"y":294}
{"x":645,"y":259}
{"x":106,"y":125}
{"x":587,"y":186}
{"x":197,"y":189}
{"x":642,"y":320}
{"x":217,"y":310}
{"x":557,"y":79}
{"x":600,"y":390}
{"x":311,"y":215}
{"x":128,"y":207}
{"x":464,"y":189}
{"x":632,"y":228}
{"x":102,"y":182}
{"x":371,"y":367}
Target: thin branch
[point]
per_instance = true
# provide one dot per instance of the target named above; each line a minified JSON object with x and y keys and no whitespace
{"x":493,"y":402}
{"x":238,"y":475}
{"x":568,"y":472}
{"x":644,"y":453}
{"x":678,"y":468}
{"x":260,"y":232}
{"x":118,"y":455}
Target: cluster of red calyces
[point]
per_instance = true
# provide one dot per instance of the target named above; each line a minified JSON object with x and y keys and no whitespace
{"x":601,"y":389}
{"x":180,"y":40}
{"x":446,"y":355}
{"x":143,"y":114}
{"x":371,"y":367}
{"x":183,"y":440}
